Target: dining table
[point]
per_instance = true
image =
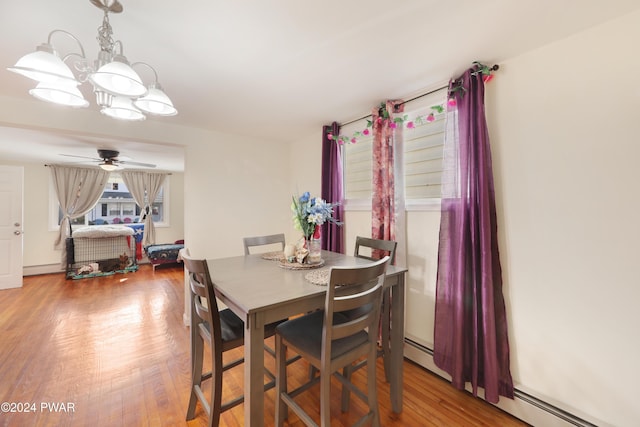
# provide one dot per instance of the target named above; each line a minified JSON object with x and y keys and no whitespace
{"x":261,"y":289}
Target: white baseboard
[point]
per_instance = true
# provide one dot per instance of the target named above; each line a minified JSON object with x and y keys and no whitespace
{"x":524,"y":406}
{"x":35,"y":270}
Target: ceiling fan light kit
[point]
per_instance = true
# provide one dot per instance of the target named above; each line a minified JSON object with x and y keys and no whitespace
{"x":108,"y":165}
{"x":119,"y":90}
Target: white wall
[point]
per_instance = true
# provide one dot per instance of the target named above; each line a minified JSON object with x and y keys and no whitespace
{"x":234,"y":188}
{"x":564,"y":122}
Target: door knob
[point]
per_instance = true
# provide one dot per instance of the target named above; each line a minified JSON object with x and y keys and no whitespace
{"x":17,"y":224}
{"x":17,"y":232}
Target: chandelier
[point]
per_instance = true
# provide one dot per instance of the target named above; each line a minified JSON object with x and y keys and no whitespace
{"x":118,"y":89}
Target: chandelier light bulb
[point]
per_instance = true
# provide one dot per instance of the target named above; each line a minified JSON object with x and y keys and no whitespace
{"x":156,"y":102}
{"x":122,"y":108}
{"x":117,"y":77}
{"x":60,"y":93}
{"x":44,"y":65}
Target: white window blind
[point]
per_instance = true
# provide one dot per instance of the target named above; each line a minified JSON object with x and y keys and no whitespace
{"x":423,"y":152}
{"x":357,"y":170}
{"x":423,"y":159}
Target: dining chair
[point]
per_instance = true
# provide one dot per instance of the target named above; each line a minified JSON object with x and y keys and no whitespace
{"x":250,"y":242}
{"x":220,"y":331}
{"x":384,"y":248}
{"x":329,"y":341}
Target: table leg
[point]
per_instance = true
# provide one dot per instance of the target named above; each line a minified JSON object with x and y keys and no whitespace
{"x":254,"y":371}
{"x":397,"y":344}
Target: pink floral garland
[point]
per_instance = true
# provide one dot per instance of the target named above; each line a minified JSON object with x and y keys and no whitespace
{"x":487,"y":76}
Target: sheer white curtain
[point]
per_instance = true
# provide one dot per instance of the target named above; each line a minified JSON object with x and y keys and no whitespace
{"x":144,"y":187}
{"x":78,"y":190}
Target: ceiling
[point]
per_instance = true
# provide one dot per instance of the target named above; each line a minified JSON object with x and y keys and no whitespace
{"x":280,"y":69}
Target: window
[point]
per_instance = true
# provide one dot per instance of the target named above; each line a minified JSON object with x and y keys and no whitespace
{"x":357,"y":168}
{"x":116,"y":206}
{"x":423,"y":151}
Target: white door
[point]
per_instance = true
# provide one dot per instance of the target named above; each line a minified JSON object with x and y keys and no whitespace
{"x":11,"y":226}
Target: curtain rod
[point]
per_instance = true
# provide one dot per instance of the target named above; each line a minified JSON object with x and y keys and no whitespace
{"x":493,"y":68}
{"x":400,"y":103}
{"x":136,"y":170}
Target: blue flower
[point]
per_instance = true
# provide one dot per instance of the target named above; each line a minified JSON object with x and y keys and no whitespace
{"x":310,"y":213}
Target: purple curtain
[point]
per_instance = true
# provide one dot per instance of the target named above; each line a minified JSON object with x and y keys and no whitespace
{"x":470,"y":336}
{"x":332,"y":235}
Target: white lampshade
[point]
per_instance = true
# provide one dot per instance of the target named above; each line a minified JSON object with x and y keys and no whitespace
{"x":44,"y":65}
{"x":60,"y":93}
{"x":122,"y":108}
{"x":156,"y":102}
{"x":119,"y":78}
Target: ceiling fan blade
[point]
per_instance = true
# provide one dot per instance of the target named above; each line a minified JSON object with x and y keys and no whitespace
{"x":144,"y":165}
{"x":82,"y":157}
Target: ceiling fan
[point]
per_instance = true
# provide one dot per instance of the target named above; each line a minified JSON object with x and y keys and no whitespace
{"x":109,"y":160}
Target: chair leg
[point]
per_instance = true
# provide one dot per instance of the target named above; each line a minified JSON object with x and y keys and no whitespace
{"x":325,"y":398}
{"x":372,"y":390}
{"x":281,"y":381}
{"x":197,"y":355}
{"x":216,"y":391}
{"x":346,"y":393}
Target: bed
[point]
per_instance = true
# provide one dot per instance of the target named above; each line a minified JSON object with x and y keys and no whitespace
{"x":167,"y":253}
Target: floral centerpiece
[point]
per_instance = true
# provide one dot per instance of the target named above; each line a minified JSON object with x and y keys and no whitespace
{"x":309,"y":213}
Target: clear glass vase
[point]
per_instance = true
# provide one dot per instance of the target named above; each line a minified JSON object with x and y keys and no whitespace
{"x":315,"y":254}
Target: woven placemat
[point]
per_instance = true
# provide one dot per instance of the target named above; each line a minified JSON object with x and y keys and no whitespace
{"x":273,"y":256}
{"x":297,"y":266}
{"x":318,"y":277}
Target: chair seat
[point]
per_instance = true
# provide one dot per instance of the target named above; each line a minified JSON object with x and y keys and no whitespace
{"x":305,"y":333}
{"x":232,"y":327}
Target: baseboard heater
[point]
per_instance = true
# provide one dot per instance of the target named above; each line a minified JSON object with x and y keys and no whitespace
{"x":537,"y":408}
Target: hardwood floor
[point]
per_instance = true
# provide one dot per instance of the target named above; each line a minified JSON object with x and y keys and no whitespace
{"x":113,"y":351}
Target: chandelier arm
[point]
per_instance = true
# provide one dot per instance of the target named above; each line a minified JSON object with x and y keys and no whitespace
{"x":119,"y":43}
{"x":67,"y":33}
{"x":155,"y":74}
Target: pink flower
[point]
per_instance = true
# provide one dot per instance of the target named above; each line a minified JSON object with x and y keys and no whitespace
{"x":379,"y":120}
{"x":365,"y":132}
{"x":452,"y":102}
{"x":431,"y":117}
{"x":393,"y":125}
{"x":410,"y":125}
{"x":353,"y":140}
{"x":487,"y":78}
{"x":330,"y":136}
